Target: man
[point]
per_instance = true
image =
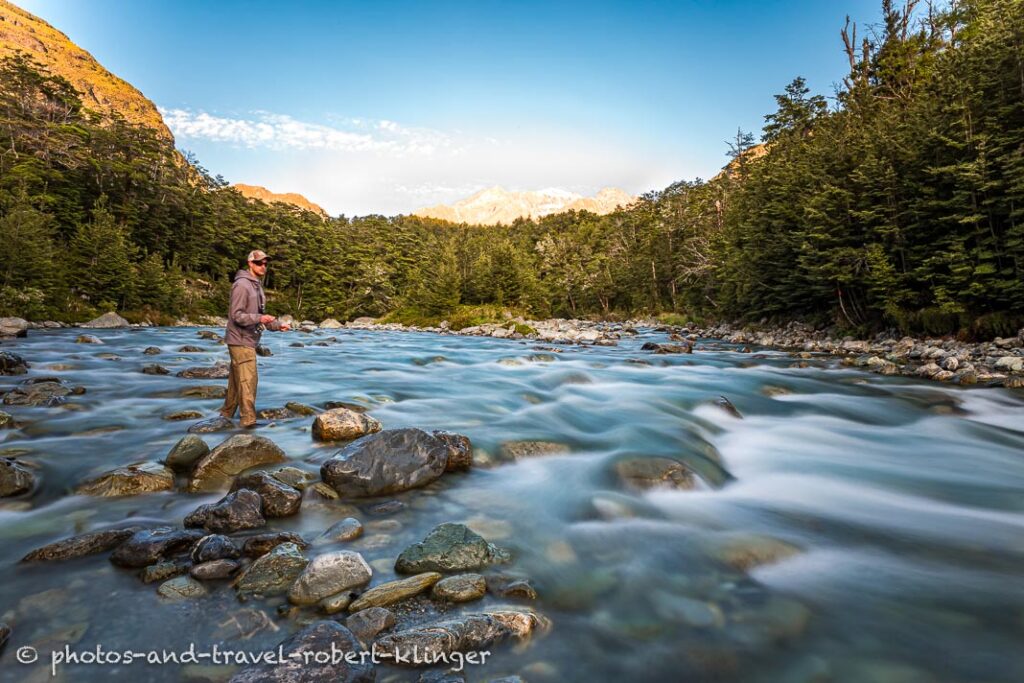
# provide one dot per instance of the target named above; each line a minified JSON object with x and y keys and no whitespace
{"x":246,"y":322}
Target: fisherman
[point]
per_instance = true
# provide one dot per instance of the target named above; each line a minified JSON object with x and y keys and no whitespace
{"x":246,"y":322}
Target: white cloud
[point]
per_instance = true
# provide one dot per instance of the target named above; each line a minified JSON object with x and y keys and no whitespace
{"x":361,"y":166}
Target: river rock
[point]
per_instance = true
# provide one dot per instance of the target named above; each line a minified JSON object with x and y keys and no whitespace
{"x":342,"y":424}
{"x":47,"y":393}
{"x":215,"y":470}
{"x":184,"y":454}
{"x":12,"y":364}
{"x":460,"y":588}
{"x":214,"y":569}
{"x":7,"y":421}
{"x":217,"y":371}
{"x":81,"y":545}
{"x":460,"y":450}
{"x":205,"y":391}
{"x":743,"y":551}
{"x":318,"y":637}
{"x":107,"y":321}
{"x":459,"y":634}
{"x":293,"y":476}
{"x":13,"y":327}
{"x":387,"y":462}
{"x":161,"y":571}
{"x":236,"y":511}
{"x":215,"y":547}
{"x":517,"y":450}
{"x":263,"y":350}
{"x":182,"y":588}
{"x":131,"y":480}
{"x":261,"y":544}
{"x":273,"y":573}
{"x":300,"y":408}
{"x":147,"y":546}
{"x":87,"y":339}
{"x":368,"y":623}
{"x":210,"y":425}
{"x":507,"y":586}
{"x":449,"y":547}
{"x":395,"y":591}
{"x":189,"y":348}
{"x":330,"y":324}
{"x":15,"y":478}
{"x":347,"y":529}
{"x":279,"y":499}
{"x":329,"y":574}
{"x":209,"y":334}
{"x":641,"y":474}
{"x":154,"y":369}
{"x":1010,"y":363}
{"x":152,"y":351}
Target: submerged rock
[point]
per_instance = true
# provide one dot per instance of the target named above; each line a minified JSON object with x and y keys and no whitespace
{"x":131,"y":480}
{"x":15,"y":478}
{"x":204,"y":391}
{"x":152,"y":351}
{"x":87,"y":339}
{"x":154,"y":369}
{"x":147,"y":546}
{"x":347,"y":529}
{"x":217,"y":371}
{"x":45,"y":393}
{"x":395,"y":591}
{"x":342,"y":424}
{"x":279,"y":499}
{"x":460,"y":634}
{"x":240,"y":452}
{"x":273,"y":573}
{"x":234,"y":512}
{"x":387,"y":462}
{"x":641,"y":474}
{"x":449,"y":547}
{"x":213,"y":424}
{"x":185,"y":453}
{"x":517,"y":450}
{"x":318,"y":637}
{"x":81,"y":545}
{"x":12,"y":364}
{"x":329,"y":574}
{"x":161,"y":571}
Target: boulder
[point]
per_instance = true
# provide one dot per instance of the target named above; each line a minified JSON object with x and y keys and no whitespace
{"x":273,"y":573}
{"x":215,"y":547}
{"x":12,"y":364}
{"x":1010,"y":363}
{"x":234,"y":512}
{"x":184,"y":454}
{"x":328,"y":574}
{"x":215,"y":470}
{"x":279,"y":499}
{"x":464,"y":633}
{"x":131,"y":480}
{"x":341,"y":424}
{"x":347,"y":529}
{"x":641,"y":474}
{"x":460,"y":450}
{"x":330,"y":324}
{"x":261,"y":544}
{"x":295,"y":667}
{"x":394,"y":591}
{"x":13,"y":327}
{"x":147,"y":546}
{"x":217,"y":371}
{"x":449,"y":547}
{"x":368,"y":623}
{"x":15,"y":478}
{"x":387,"y":462}
{"x":213,"y":424}
{"x":81,"y":545}
{"x":460,"y":588}
{"x":49,"y":393}
{"x":106,"y":321}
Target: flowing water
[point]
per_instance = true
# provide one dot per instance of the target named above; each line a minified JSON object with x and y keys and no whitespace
{"x":848,"y":527}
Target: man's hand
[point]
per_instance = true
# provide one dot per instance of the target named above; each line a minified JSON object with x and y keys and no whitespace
{"x":267,"y":319}
{"x":285,"y":327}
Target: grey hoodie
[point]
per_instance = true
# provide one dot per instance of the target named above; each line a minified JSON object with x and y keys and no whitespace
{"x":244,"y":311}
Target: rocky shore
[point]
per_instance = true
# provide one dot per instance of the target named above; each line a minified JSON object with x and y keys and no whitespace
{"x":995,"y":363}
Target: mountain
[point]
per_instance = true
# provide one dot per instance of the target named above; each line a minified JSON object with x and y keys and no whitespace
{"x":268,"y":197}
{"x":101,"y":90}
{"x":498,"y":205}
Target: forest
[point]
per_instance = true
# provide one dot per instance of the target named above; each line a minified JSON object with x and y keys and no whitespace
{"x":896,"y":202}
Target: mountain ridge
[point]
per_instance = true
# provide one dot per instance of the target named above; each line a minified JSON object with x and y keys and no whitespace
{"x":495,"y":204}
{"x":266,"y":196}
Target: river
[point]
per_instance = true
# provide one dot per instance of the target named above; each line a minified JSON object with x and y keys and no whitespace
{"x":848,"y":526}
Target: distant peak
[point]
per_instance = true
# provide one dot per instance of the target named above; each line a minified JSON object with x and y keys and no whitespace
{"x":267,"y":197}
{"x":498,"y":205}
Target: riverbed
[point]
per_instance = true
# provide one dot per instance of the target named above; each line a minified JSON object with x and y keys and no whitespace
{"x":846,"y":526}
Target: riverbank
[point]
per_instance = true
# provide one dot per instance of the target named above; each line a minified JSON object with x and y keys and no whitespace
{"x":995,"y":363}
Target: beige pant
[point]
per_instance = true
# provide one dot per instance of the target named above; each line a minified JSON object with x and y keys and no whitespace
{"x":242,"y":381}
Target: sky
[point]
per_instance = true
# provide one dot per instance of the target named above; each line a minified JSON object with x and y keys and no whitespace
{"x":386,"y":107}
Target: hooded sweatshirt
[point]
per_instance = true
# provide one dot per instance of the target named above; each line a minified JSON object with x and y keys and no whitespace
{"x":244,"y":311}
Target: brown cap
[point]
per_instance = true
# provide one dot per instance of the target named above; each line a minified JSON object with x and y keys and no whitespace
{"x":257,"y":255}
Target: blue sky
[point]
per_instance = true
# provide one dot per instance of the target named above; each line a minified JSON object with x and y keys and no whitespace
{"x":383,"y":107}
